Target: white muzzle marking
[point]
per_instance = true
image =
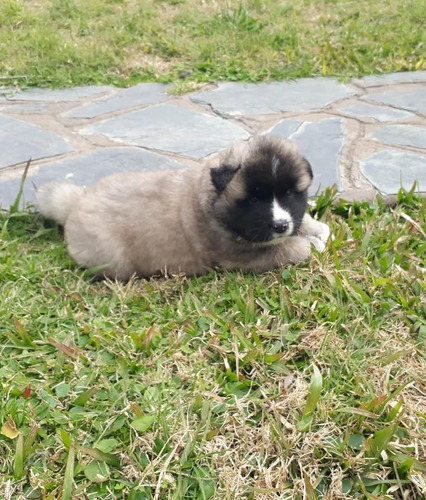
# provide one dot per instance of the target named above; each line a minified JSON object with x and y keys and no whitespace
{"x":279,"y":214}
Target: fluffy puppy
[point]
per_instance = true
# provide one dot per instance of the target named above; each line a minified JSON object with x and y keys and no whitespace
{"x":247,"y":212}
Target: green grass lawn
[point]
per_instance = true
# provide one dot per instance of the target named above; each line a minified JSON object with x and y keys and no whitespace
{"x":303,"y":383}
{"x":73,"y":42}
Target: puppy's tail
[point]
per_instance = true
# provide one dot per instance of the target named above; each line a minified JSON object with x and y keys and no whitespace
{"x":56,"y":200}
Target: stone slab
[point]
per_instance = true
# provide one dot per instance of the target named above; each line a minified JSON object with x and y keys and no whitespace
{"x":389,"y":170}
{"x":321,"y":143}
{"x":236,"y":99}
{"x":28,"y":108}
{"x":139,"y":95}
{"x":402,"y":135}
{"x":20,"y":141}
{"x":60,"y":95}
{"x":411,"y":100}
{"x":398,"y":77}
{"x":378,"y":113}
{"x":285,"y":128}
{"x":170,"y":128}
{"x":85,"y":170}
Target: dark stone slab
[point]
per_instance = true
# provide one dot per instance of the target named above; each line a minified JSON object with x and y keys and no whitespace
{"x":170,"y":128}
{"x":20,"y":141}
{"x":398,"y":77}
{"x":139,"y":95}
{"x":321,"y":143}
{"x":390,"y":170}
{"x":85,"y":170}
{"x":237,"y":99}
{"x":379,"y":113}
{"x":402,"y":135}
{"x":412,"y":99}
{"x":61,"y":95}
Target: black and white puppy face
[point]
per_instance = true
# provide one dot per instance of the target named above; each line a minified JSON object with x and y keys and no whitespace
{"x":262,"y":189}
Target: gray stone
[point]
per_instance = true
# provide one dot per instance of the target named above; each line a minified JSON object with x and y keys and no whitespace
{"x":286,"y":127}
{"x":401,"y":77}
{"x":276,"y":97}
{"x":20,"y":141}
{"x":85,"y":170}
{"x":170,"y":128}
{"x":61,"y":95}
{"x":139,"y":95}
{"x":29,"y":108}
{"x":378,"y":113}
{"x":402,"y":135}
{"x":390,"y":170}
{"x":412,"y":100}
{"x":321,"y":143}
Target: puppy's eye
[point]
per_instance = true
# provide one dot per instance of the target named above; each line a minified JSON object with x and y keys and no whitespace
{"x":254,"y":195}
{"x":289,"y":192}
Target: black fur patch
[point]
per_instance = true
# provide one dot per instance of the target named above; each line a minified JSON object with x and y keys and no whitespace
{"x":222,"y":176}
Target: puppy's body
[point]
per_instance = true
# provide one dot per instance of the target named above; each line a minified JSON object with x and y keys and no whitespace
{"x":247,"y":213}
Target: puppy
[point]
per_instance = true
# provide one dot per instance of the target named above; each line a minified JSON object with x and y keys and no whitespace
{"x":247,"y":212}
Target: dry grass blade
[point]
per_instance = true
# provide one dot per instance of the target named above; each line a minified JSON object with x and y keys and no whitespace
{"x":70,"y":351}
{"x":415,"y":224}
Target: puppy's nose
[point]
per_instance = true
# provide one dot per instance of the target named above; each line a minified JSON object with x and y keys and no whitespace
{"x":280,"y":226}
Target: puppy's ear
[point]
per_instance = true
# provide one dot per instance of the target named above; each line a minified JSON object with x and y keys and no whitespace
{"x":308,"y":168}
{"x":305,"y":176}
{"x":222,"y":176}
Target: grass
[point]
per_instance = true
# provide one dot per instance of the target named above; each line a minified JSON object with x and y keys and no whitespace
{"x":61,"y":43}
{"x":304,"y":383}
{"x":307,"y":382}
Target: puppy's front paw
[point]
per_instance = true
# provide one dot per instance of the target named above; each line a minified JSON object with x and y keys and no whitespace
{"x":324,"y":232}
{"x":318,"y":243}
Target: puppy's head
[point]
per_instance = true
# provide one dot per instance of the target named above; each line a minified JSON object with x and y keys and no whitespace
{"x":261,"y":189}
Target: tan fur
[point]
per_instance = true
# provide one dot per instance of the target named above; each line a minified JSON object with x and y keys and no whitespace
{"x":162,"y":222}
{"x":56,"y":200}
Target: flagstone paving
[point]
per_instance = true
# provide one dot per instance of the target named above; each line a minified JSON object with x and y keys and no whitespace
{"x":378,"y":113}
{"x":321,"y":142}
{"x":236,"y":99}
{"x":390,"y":161}
{"x":138,"y":95}
{"x":364,"y":136}
{"x":21,"y":140}
{"x":171,"y":128}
